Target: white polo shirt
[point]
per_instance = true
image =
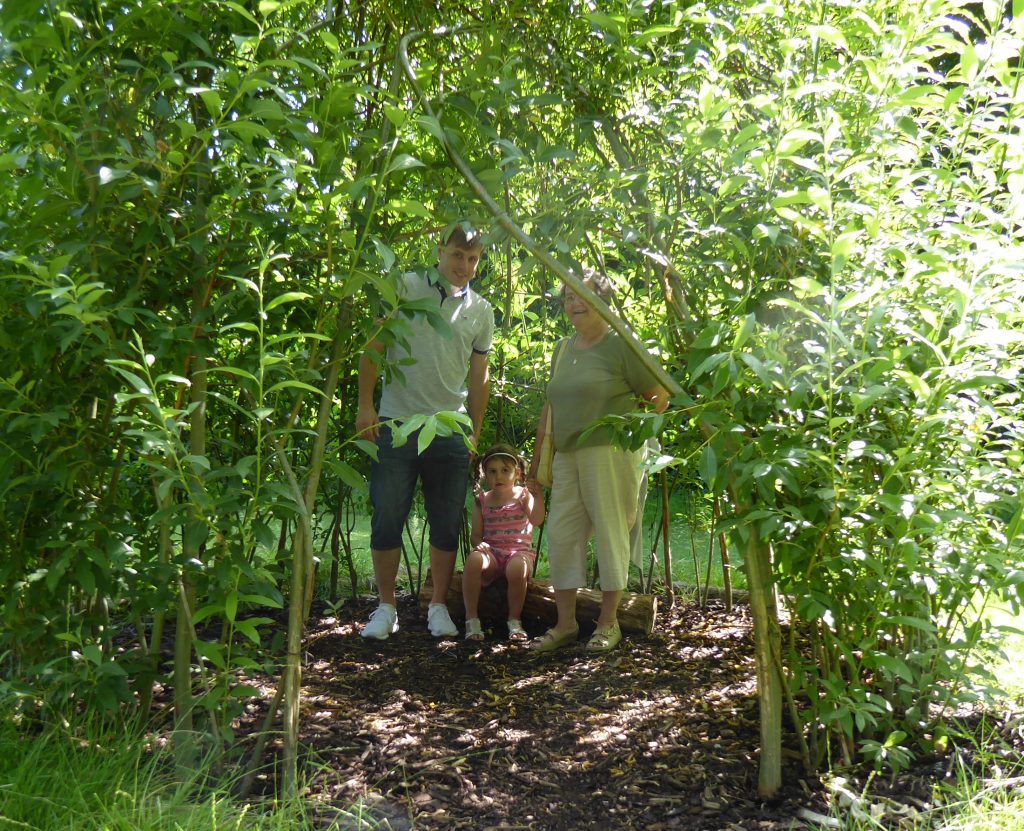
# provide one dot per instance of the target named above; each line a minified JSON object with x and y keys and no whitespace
{"x":436,"y":380}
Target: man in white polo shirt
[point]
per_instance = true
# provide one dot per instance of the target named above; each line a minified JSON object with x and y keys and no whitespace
{"x":448,"y":372}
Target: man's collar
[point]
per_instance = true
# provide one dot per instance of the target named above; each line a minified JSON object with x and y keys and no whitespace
{"x":444,"y":288}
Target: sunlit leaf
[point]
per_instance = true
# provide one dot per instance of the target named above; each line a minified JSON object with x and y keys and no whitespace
{"x":708,"y":465}
{"x":403,"y":161}
{"x":287,"y":297}
{"x":795,"y":139}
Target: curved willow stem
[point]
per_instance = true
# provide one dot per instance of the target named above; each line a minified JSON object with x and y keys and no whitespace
{"x":506,"y":222}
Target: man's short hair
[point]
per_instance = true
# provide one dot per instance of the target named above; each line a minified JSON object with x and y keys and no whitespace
{"x":462,"y":234}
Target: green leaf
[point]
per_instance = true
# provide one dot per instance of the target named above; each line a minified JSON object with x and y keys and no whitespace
{"x":265,"y":535}
{"x":611,"y":24}
{"x":231,"y":605}
{"x":265,"y":109}
{"x":211,"y":98}
{"x":368,"y":447}
{"x":246,"y":130}
{"x":709,"y":363}
{"x":206,"y":611}
{"x":745,"y":331}
{"x":287,"y":297}
{"x":260,"y":600}
{"x":654,"y":33}
{"x":395,"y":115}
{"x":403,"y":161}
{"x":426,"y":435}
{"x":240,"y":9}
{"x":12,"y":161}
{"x":293,"y":384}
{"x":212,"y":652}
{"x":167,"y":378}
{"x":806,"y":287}
{"x":139,"y":383}
{"x":432,"y":126}
{"x":491,"y":180}
{"x":916,"y":383}
{"x":794,"y":140}
{"x":234,"y":370}
{"x":387,"y":256}
{"x":349,"y":475}
{"x":913,"y":622}
{"x":723,"y":375}
{"x":707,"y":467}
{"x":400,"y":432}
{"x":896,"y":667}
{"x":409,"y":207}
{"x":248,"y":628}
{"x":200,"y":462}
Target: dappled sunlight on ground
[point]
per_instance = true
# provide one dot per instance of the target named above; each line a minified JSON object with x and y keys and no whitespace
{"x":659,"y":733}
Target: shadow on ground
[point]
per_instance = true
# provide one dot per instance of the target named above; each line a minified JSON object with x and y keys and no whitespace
{"x":422,"y":733}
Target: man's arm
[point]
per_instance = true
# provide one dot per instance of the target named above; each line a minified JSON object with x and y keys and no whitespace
{"x":479,"y":389}
{"x":367,"y":422}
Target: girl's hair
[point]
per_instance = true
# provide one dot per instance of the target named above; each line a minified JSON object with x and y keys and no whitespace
{"x":502,"y":450}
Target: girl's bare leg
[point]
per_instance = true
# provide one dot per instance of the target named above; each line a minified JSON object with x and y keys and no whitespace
{"x":516,"y":572}
{"x":476,"y":562}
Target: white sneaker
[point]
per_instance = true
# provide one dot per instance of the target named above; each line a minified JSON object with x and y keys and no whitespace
{"x":439,"y":622}
{"x":382,"y":623}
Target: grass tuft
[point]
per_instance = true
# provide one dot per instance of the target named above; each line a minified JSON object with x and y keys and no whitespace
{"x":81,"y":777}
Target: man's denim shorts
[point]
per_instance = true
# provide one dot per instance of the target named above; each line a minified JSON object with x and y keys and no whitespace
{"x":443,"y":468}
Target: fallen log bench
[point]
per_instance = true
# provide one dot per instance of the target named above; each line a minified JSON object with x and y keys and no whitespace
{"x":637,"y":612}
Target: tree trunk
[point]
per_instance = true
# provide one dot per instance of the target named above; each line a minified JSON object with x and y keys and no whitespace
{"x":184,"y":702}
{"x":637,"y":612}
{"x":184,"y":738}
{"x":302,"y":563}
{"x":767,"y":645}
{"x":292,"y":681}
{"x":724,"y":550}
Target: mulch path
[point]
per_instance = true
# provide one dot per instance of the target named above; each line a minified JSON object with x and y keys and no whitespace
{"x":418,"y":733}
{"x":447,"y":734}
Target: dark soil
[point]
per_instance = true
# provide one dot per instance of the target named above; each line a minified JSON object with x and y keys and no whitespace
{"x":661,"y":733}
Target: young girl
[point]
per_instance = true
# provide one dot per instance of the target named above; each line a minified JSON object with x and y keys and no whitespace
{"x":503,"y":519}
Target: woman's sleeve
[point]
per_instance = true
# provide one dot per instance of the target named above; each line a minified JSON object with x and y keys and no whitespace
{"x":637,"y":375}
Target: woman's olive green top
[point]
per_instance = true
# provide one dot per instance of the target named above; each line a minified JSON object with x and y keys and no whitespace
{"x":587,"y":384}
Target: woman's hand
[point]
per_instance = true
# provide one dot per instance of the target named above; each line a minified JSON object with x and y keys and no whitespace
{"x":657,"y":399}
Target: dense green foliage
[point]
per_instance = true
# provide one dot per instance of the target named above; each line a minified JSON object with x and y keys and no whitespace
{"x":813,"y":211}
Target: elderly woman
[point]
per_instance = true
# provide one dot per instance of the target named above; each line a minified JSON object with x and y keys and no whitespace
{"x":595,"y":484}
